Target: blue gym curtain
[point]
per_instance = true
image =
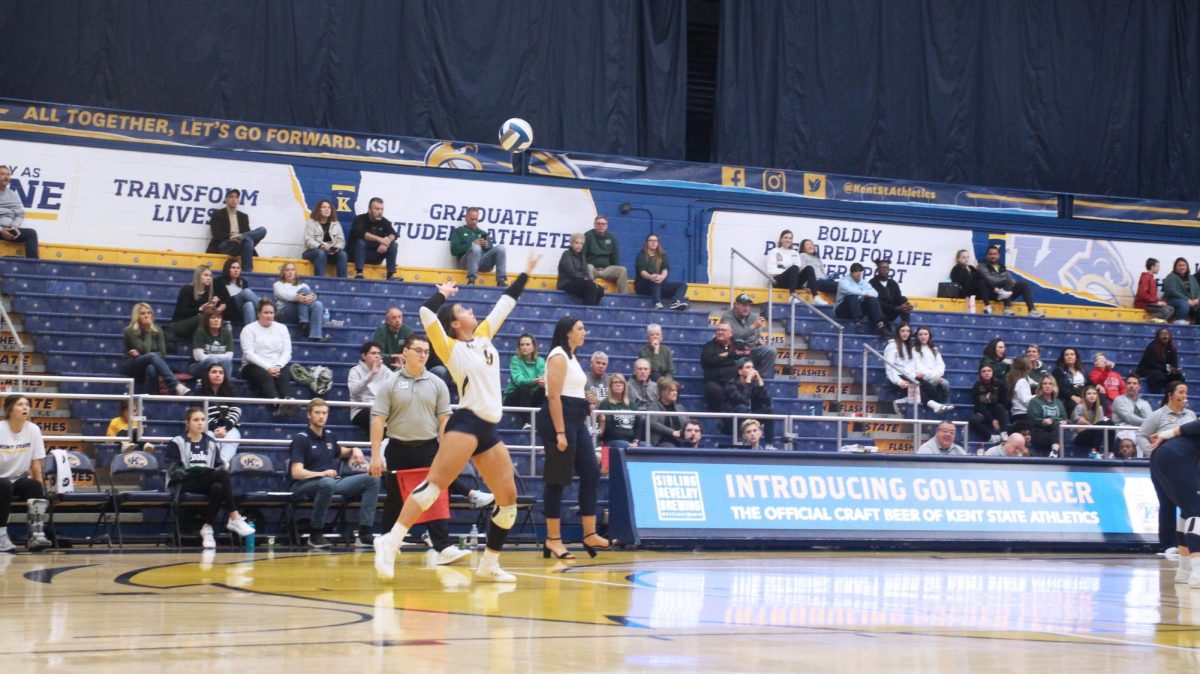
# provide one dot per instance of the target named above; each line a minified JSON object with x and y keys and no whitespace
{"x":603,"y":76}
{"x":1065,"y":95}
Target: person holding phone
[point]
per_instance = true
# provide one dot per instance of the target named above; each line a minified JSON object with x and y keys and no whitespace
{"x":193,"y":300}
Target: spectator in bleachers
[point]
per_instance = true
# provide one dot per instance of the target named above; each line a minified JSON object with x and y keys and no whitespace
{"x":1126,"y":449}
{"x":1182,"y":291}
{"x":662,"y":363}
{"x":752,"y":436}
{"x":651,"y":269}
{"x":324,"y":240}
{"x":1090,"y":412}
{"x":930,"y":372}
{"x":642,"y":390}
{"x":313,"y":462}
{"x":296,"y":302}
{"x":145,"y":353}
{"x":898,"y":354}
{"x":374,"y":240}
{"x":964,"y":276}
{"x":719,"y":359}
{"x":22,"y":451}
{"x":666,"y":429}
{"x":1046,"y":414}
{"x":748,"y":329}
{"x":692,"y":435}
{"x":211,"y":343}
{"x":266,"y":354}
{"x":363,"y":381}
{"x":783,"y":263}
{"x":526,"y":375}
{"x":747,"y":394}
{"x":1069,"y":375}
{"x":576,"y":277}
{"x":231,"y":233}
{"x":1020,"y":392}
{"x":942,"y":442}
{"x":12,"y":217}
{"x":616,"y":429}
{"x":1104,"y":376}
{"x":194,"y":466}
{"x":1022,"y":427}
{"x":996,"y":283}
{"x":1037,"y":369}
{"x":994,"y":355}
{"x":856,"y":299}
{"x":1131,"y":409}
{"x":223,"y":417}
{"x":1013,"y":447}
{"x":597,"y":377}
{"x":243,"y":304}
{"x":1160,"y":362}
{"x":191,"y":303}
{"x":475,"y":249}
{"x":604,"y":256}
{"x":813,"y":274}
{"x":390,"y":335}
{"x":990,"y":400}
{"x":1147,"y":295}
{"x":892,"y":302}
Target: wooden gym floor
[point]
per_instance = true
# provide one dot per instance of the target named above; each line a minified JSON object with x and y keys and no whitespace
{"x":326,"y":612}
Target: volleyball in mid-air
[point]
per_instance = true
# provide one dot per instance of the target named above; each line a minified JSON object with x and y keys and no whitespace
{"x":516,"y":135}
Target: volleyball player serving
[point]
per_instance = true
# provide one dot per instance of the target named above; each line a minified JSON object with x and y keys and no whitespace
{"x":465,"y":346}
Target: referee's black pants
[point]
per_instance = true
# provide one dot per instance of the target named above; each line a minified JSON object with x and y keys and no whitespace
{"x":405,"y":455}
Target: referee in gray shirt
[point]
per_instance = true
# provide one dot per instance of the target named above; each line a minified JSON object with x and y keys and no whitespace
{"x":411,"y":410}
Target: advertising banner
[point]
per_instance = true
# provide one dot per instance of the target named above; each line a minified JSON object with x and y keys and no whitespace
{"x":798,"y":496}
{"x":921,"y":257}
{"x":200,"y":132}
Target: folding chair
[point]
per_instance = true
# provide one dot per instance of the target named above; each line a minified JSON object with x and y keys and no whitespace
{"x":256,"y":485}
{"x":150,"y":495}
{"x":83,"y":474}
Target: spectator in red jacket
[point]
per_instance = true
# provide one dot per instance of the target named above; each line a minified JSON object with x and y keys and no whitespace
{"x":1147,"y":295}
{"x":1109,"y":380}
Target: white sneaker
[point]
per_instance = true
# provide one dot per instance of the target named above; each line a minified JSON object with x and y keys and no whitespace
{"x":679,"y":305}
{"x":240,"y":527}
{"x":1181,"y":322}
{"x":37,"y":543}
{"x":988,"y":309}
{"x":385,"y":556}
{"x":1003,"y":294}
{"x":6,"y":544}
{"x":206,"y":538}
{"x":1171,"y":552}
{"x":426,"y":539}
{"x":1009,"y":312}
{"x":658,"y":305}
{"x":480,"y":499}
{"x":451,"y":555}
{"x":181,"y":390}
{"x":1183,"y":572}
{"x":1037,"y":313}
{"x":493,"y":573}
{"x":818,"y":301}
{"x":1194,"y":580}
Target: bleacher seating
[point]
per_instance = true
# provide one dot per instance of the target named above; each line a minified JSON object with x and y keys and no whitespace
{"x":76,"y":311}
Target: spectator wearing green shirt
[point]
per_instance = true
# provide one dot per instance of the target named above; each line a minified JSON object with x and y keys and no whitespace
{"x":652,"y":270}
{"x":657,"y":354}
{"x":1046,"y":413}
{"x":390,"y":336}
{"x":475,"y":249}
{"x":602,"y":253}
{"x":526,"y":375}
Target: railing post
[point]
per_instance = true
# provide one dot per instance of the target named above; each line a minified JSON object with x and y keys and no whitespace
{"x":532,"y":444}
{"x":732,"y":252}
{"x":792,"y":330}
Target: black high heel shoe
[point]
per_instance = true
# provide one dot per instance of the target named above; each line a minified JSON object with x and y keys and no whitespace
{"x":591,"y":549}
{"x":546,"y":551}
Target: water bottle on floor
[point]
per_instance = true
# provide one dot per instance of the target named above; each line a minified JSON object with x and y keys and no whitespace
{"x":250,"y":540}
{"x":473,"y":538}
{"x":326,"y":317}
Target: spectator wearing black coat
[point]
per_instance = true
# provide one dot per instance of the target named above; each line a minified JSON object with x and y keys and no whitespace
{"x":1160,"y":362}
{"x":747,"y":393}
{"x":893,"y":303}
{"x":575,"y":277}
{"x":719,"y":359}
{"x":964,"y":275}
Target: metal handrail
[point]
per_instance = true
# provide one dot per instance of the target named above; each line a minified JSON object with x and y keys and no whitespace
{"x":1104,"y":428}
{"x":770,"y":302}
{"x":840,"y":348}
{"x":12,"y":328}
{"x":789,"y":419}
